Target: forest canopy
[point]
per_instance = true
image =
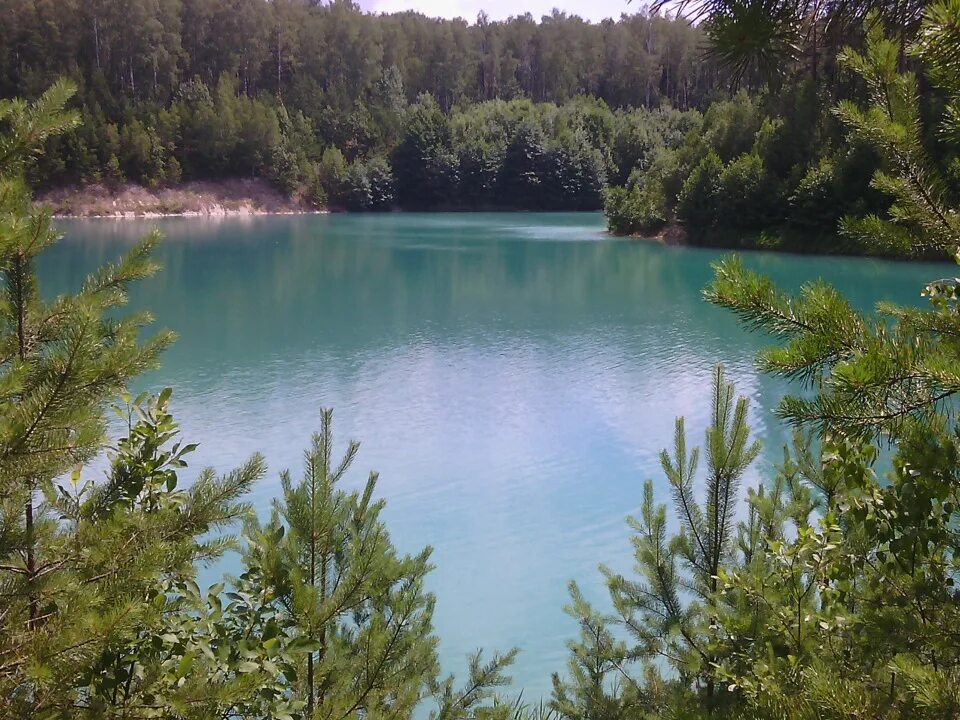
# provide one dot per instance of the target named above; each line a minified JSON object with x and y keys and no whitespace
{"x":345,"y":106}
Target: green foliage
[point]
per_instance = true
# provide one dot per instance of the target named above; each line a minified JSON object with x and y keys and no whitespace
{"x":209,"y":88}
{"x":641,"y":209}
{"x":332,"y":175}
{"x":86,"y":567}
{"x":730,"y":127}
{"x":148,"y":638}
{"x":697,"y":202}
{"x":815,"y":202}
{"x":830,"y":597}
{"x":834,"y":595}
{"x":424,"y":162}
{"x":480,"y":164}
{"x":872,"y":374}
{"x":574,"y":175}
{"x":358,"y":608}
{"x":522,"y":177}
{"x":791,"y":172}
{"x":61,"y":358}
{"x":746,"y":195}
{"x":639,"y":135}
{"x":369,"y":185}
{"x":477,"y":698}
{"x":100,"y":613}
{"x":919,"y":218}
{"x":669,"y":611}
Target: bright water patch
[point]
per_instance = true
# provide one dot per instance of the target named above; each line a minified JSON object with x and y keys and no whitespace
{"x":512,"y":377}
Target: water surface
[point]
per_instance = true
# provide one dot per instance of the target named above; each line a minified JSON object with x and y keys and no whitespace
{"x":512,"y":377}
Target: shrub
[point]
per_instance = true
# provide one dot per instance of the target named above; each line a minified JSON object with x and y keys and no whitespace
{"x":332,"y":175}
{"x":356,"y":194}
{"x":480,"y":165}
{"x":640,"y":209}
{"x":697,"y":201}
{"x":814,"y":202}
{"x":746,"y":195}
{"x":382,"y":185}
{"x":368,"y":185}
{"x":730,"y":126}
{"x":424,"y":161}
{"x":284,"y":168}
{"x":525,"y":167}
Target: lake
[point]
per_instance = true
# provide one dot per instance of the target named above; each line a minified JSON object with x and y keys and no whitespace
{"x":512,"y":377}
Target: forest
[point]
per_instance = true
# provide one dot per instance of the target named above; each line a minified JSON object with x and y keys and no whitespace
{"x":649,"y":117}
{"x":826,"y":591}
{"x":355,"y":110}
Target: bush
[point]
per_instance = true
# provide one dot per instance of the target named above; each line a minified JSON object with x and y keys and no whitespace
{"x":356,"y":194}
{"x":730,"y":126}
{"x":640,"y":209}
{"x":382,"y":185}
{"x":142,"y":154}
{"x":746,"y":195}
{"x":697,"y":202}
{"x":572,"y":176}
{"x":284,"y":168}
{"x":641,"y":135}
{"x":369,"y":185}
{"x":480,"y":165}
{"x":814,"y":202}
{"x":525,"y":167}
{"x":332,"y":175}
{"x":424,"y":161}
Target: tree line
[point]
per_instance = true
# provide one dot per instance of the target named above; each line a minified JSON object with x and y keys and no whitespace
{"x":775,"y":166}
{"x":173,"y":90}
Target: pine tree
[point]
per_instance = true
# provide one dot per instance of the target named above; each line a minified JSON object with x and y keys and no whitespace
{"x":136,"y":637}
{"x":359,"y":605}
{"x":84,"y":567}
{"x":61,"y":360}
{"x":874,"y":373}
{"x":858,"y":594}
{"x":670,"y":609}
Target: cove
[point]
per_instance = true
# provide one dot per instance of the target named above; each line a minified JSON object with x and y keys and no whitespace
{"x":512,"y":377}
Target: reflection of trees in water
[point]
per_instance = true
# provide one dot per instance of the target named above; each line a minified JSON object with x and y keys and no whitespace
{"x":349,"y":284}
{"x":623,"y":321}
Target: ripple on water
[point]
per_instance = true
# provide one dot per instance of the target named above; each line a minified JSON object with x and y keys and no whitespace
{"x":512,"y":377}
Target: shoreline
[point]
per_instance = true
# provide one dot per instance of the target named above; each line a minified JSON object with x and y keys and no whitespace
{"x":234,"y":197}
{"x":151,"y":215}
{"x":779,"y":240}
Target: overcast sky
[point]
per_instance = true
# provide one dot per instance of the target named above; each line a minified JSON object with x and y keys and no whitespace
{"x":594,"y":10}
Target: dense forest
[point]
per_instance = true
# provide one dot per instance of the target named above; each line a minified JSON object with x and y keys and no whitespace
{"x":665,"y":122}
{"x":779,"y":167}
{"x":348,"y":107}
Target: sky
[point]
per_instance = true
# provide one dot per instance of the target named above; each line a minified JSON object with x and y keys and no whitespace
{"x":594,"y":10}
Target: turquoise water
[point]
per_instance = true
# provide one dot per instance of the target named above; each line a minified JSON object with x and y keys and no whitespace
{"x":511,"y":376}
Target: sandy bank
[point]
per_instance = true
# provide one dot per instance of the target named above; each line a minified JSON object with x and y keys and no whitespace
{"x":208,"y":198}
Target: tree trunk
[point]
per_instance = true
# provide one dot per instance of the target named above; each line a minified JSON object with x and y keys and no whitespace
{"x":96,"y":40}
{"x":31,"y":562}
{"x":19,"y":270}
{"x":313,"y":573}
{"x":278,"y":59}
